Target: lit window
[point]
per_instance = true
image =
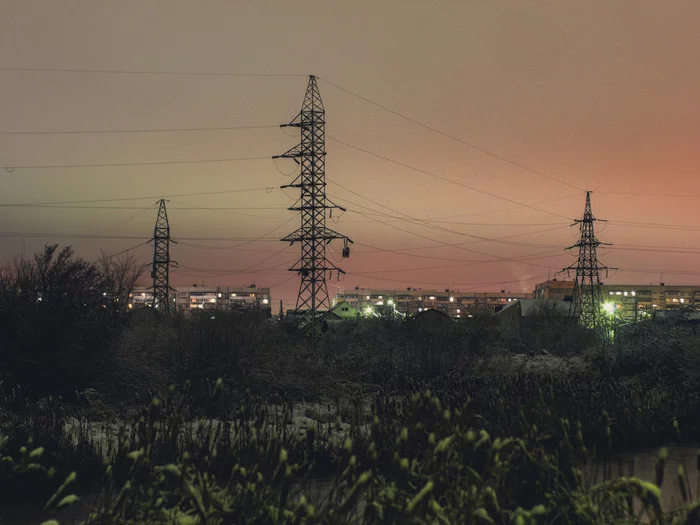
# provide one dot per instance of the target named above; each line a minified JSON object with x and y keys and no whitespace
{"x":618,"y":293}
{"x":265,"y":301}
{"x":367,"y":297}
{"x":219,"y":295}
{"x":420,"y":309}
{"x":625,"y":294}
{"x":432,"y":297}
{"x":633,"y":293}
{"x":452,"y":299}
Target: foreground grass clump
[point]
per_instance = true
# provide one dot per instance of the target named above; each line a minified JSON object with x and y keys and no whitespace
{"x":420,"y":463}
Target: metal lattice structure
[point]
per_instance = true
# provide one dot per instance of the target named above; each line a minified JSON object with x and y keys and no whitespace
{"x":587,"y":301}
{"x":313,"y":267}
{"x":160,"y":271}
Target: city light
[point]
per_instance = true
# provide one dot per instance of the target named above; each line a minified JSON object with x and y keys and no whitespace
{"x":609,"y":308}
{"x":368,"y":310}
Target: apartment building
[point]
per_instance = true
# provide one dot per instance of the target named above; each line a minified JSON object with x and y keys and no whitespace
{"x":189,"y":298}
{"x":411,"y":301}
{"x":630,"y":301}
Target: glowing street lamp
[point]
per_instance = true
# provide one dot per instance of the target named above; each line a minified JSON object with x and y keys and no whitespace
{"x":610,"y":308}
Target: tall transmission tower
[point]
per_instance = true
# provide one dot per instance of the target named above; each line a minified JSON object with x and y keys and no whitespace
{"x":587,"y":302}
{"x":313,"y":267}
{"x":160,"y":271}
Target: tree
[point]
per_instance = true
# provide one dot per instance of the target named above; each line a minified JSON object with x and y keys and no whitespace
{"x":119,"y":277}
{"x":53,"y":327}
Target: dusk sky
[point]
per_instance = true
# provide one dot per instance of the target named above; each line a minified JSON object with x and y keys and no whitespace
{"x":543,"y":100}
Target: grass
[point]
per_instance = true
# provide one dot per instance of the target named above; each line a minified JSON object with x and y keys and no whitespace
{"x":410,"y":458}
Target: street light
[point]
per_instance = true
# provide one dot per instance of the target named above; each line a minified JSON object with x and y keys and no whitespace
{"x":609,"y":308}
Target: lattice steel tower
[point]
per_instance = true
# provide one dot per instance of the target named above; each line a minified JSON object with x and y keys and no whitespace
{"x":160,"y":272}
{"x":313,"y":266}
{"x":587,"y":302}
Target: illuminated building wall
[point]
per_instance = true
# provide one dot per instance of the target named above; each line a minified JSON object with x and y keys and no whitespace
{"x":185,"y":299}
{"x":414,"y":300}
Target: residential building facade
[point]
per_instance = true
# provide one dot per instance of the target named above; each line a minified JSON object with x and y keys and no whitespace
{"x":411,"y":301}
{"x":189,"y":298}
{"x":629,"y":301}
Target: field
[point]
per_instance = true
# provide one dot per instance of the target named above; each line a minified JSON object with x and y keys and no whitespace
{"x":447,"y":427}
{"x":114,"y":418}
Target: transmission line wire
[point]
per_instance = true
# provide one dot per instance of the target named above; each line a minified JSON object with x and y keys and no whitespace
{"x":129,"y":164}
{"x":119,"y":131}
{"x":452,"y":137}
{"x":439,"y":177}
{"x":267,"y":189}
{"x":146,"y":72}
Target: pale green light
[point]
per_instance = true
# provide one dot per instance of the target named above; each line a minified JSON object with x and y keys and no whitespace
{"x":609,"y":308}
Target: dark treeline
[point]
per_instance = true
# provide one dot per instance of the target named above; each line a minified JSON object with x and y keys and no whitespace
{"x":65,"y":328}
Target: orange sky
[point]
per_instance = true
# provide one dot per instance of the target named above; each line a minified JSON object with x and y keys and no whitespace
{"x":599,"y":95}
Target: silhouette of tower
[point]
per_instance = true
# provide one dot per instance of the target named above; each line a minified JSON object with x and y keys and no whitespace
{"x":313,"y":267}
{"x":587,"y":303}
{"x":160,"y":272}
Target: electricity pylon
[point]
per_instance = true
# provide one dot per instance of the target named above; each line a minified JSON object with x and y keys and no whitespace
{"x":587,"y":302}
{"x":313,"y":266}
{"x":160,"y":271}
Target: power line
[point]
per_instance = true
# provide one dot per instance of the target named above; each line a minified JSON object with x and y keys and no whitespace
{"x":642,"y":194}
{"x":146,"y":72}
{"x":418,"y":221}
{"x":181,"y":208}
{"x":119,"y":131}
{"x":246,"y":269}
{"x":672,"y":272}
{"x":369,"y":276}
{"x":523,"y":259}
{"x":461,"y":223}
{"x":653,"y":225}
{"x":452,"y":137}
{"x":11,"y":168}
{"x":209,"y":247}
{"x":439,"y":177}
{"x":127,"y":237}
{"x":267,"y":189}
{"x":278,"y":268}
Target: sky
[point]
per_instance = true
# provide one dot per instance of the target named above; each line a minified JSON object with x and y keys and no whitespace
{"x":449,"y":124}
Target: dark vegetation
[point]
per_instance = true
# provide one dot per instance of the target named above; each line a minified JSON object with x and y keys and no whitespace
{"x":470,"y":423}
